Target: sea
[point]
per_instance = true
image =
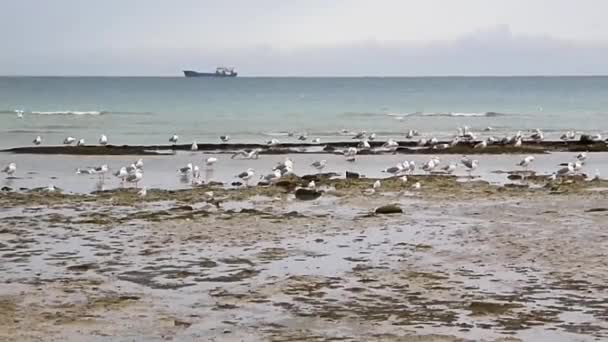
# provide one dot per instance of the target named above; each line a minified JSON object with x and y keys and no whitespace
{"x":149,"y":110}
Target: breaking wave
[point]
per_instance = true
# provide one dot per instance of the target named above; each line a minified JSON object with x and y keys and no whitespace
{"x":72,"y":112}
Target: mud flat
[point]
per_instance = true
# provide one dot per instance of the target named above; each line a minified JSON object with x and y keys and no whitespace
{"x":462,"y":261}
{"x":405,"y":147}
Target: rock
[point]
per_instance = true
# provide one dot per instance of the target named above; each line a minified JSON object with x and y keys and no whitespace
{"x":352,"y":175}
{"x":586,"y":139}
{"x":389,"y":209}
{"x":236,"y":183}
{"x":6,"y":188}
{"x":307,"y":195}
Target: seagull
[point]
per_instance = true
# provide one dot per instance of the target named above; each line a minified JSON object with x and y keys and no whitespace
{"x":80,"y":171}
{"x":390,"y":144}
{"x":412,"y":166}
{"x":143,"y":192}
{"x":569,"y":135}
{"x":121,"y":174}
{"x":518,"y":142}
{"x":422,"y":142}
{"x":37,"y":141}
{"x":596,"y":137}
{"x":196,"y":173}
{"x":135,"y":177}
{"x":552,"y":177}
{"x":430,"y":165}
{"x":394,"y":170}
{"x":319,"y":164}
{"x":410,"y":134}
{"x":139,"y":164}
{"x":450,"y":168}
{"x":482,"y":144}
{"x":433,"y":141}
{"x":246,"y":175}
{"x":10,"y":169}
{"x":80,"y":142}
{"x":577,"y":166}
{"x":194,"y":146}
{"x":316,"y":140}
{"x":416,"y":186}
{"x":526,"y":162}
{"x":566,"y":170}
{"x":372,"y":137}
{"x":210,"y":161}
{"x":303,"y":137}
{"x":132,"y":168}
{"x":363,"y":145}
{"x":174,"y":139}
{"x":471,"y":165}
{"x":273,"y":142}
{"x":376,"y":185}
{"x":19,"y":113}
{"x":276,"y":174}
{"x":69,"y":140}
{"x":186,"y":170}
{"x":253,"y":154}
{"x":488,"y":129}
{"x":403,"y":179}
{"x":360,"y":135}
{"x":285,"y":166}
{"x":350,"y":154}
{"x":101,"y":170}
{"x":51,"y":188}
{"x":582,"y":156}
{"x":224,"y":138}
{"x":103,"y":140}
{"x":311,"y":185}
{"x":537,"y":135}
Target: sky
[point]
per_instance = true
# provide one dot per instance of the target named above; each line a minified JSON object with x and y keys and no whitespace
{"x":304,"y":37}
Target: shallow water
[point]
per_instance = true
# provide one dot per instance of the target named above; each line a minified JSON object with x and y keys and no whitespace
{"x":161,"y":171}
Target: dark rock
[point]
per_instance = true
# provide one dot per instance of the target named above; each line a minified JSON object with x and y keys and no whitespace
{"x":586,"y":139}
{"x":352,"y":175}
{"x":6,"y":188}
{"x":596,"y":210}
{"x":82,"y":267}
{"x":389,"y":209}
{"x":182,"y":208}
{"x":236,"y":183}
{"x":307,"y":195}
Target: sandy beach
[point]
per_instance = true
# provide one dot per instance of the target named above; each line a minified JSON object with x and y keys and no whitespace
{"x":463,"y":261}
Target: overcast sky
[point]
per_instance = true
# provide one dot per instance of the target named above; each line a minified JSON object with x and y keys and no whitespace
{"x":304,"y":37}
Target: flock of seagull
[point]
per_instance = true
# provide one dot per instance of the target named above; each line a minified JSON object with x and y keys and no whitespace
{"x":133,"y":173}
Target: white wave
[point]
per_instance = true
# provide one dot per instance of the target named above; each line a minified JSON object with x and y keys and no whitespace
{"x":67,"y":112}
{"x":468,"y":114}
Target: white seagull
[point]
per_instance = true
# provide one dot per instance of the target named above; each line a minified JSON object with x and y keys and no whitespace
{"x":450,"y":168}
{"x":135,"y":177}
{"x":350,"y":154}
{"x":143,"y":192}
{"x":224,"y":138}
{"x":69,"y":140}
{"x":246,"y":175}
{"x":80,"y":142}
{"x":174,"y":139}
{"x":394,"y":170}
{"x":210,"y":161}
{"x":37,"y":141}
{"x":10,"y":169}
{"x":194,"y":146}
{"x":253,"y":154}
{"x":316,"y":140}
{"x":319,"y":164}
{"x":103,"y":140}
{"x":526,"y":162}
{"x":186,"y":170}
{"x":122,"y":174}
{"x":471,"y":165}
{"x":582,"y":156}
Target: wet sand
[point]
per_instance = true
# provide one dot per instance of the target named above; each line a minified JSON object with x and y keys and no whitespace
{"x":464,"y":261}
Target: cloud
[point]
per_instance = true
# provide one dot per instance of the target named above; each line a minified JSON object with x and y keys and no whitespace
{"x":495,"y":51}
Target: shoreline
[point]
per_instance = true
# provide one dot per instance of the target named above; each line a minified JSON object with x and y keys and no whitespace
{"x":405,"y":147}
{"x":462,"y":260}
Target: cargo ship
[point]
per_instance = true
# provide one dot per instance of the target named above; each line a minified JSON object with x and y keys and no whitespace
{"x":219,"y":72}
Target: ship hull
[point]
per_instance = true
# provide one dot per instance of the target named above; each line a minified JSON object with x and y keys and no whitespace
{"x":190,"y":73}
